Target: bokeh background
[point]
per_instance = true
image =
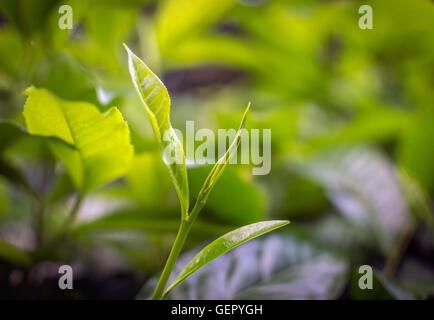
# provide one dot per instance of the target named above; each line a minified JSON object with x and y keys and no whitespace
{"x":352,"y":119}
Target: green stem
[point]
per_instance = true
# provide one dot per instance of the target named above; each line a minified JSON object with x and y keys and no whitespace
{"x":73,"y":214}
{"x":171,"y":260}
{"x":183,"y":232}
{"x":64,"y":230}
{"x":66,"y":226}
{"x":40,"y":224}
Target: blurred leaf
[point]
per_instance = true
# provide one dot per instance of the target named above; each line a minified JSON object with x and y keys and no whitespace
{"x":416,"y":276}
{"x":416,"y":195}
{"x":362,"y":185}
{"x":149,"y":181}
{"x":233,"y":199}
{"x":277,"y":267}
{"x":340,"y":234}
{"x":416,"y":150}
{"x":381,"y":125}
{"x":14,"y":176}
{"x":382,"y":289}
{"x":94,"y":147}
{"x":173,"y":27}
{"x":297,"y":191}
{"x":9,"y":59}
{"x":139,"y":221}
{"x":108,"y":36}
{"x":62,"y":75}
{"x":14,"y":255}
{"x":4,"y":201}
{"x":28,"y":17}
{"x":62,"y":187}
{"x":156,"y":99}
{"x":10,"y":132}
{"x":98,"y":46}
{"x":224,"y":244}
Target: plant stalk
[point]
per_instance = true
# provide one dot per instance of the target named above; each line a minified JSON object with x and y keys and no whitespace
{"x":64,"y":230}
{"x":184,"y":230}
{"x":171,"y":260}
{"x":395,"y":257}
{"x":73,"y":214}
{"x":40,"y":224}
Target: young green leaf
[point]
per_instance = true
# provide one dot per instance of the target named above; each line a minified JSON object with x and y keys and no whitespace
{"x":156,"y":99}
{"x":221,"y":164}
{"x":224,"y":244}
{"x":94,"y":147}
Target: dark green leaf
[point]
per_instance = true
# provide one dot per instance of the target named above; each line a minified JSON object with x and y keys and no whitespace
{"x":10,"y":132}
{"x":233,"y":199}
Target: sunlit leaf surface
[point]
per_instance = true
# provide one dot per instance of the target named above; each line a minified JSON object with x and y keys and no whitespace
{"x":94,"y":147}
{"x":156,"y":99}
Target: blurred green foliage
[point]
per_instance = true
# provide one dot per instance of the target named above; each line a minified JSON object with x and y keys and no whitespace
{"x":351,"y":113}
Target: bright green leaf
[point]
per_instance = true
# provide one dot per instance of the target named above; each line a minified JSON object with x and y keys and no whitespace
{"x":156,"y":99}
{"x":94,"y":147}
{"x":224,"y":244}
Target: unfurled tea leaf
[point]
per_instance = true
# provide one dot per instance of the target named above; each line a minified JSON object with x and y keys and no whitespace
{"x":156,"y":99}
